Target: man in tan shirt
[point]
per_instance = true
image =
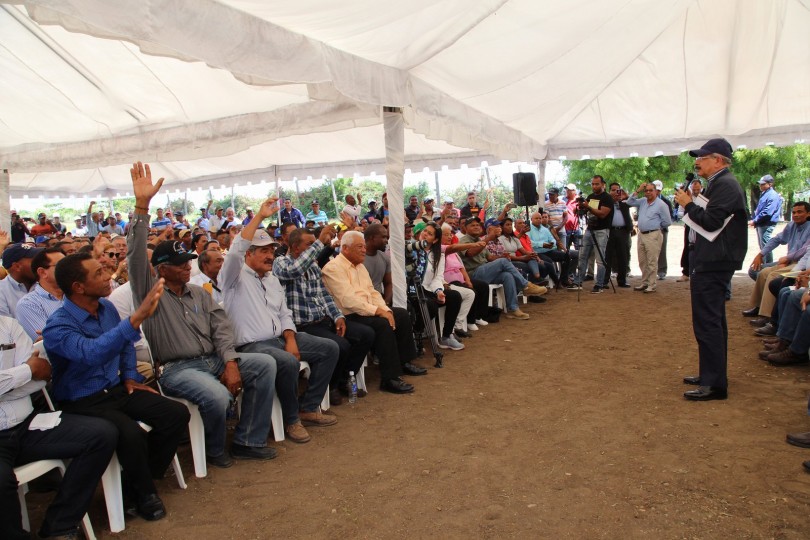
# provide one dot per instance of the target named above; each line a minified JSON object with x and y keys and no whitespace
{"x":350,"y":286}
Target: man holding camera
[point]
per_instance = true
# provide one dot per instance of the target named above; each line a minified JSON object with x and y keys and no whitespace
{"x":598,"y":207}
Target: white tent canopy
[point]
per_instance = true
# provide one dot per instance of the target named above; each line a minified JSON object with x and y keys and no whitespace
{"x":271,"y":88}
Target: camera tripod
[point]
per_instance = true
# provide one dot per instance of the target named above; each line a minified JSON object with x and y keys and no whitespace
{"x":415,"y":283}
{"x":604,"y":265}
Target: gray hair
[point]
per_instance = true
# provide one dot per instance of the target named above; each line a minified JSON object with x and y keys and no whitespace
{"x":351,"y":237}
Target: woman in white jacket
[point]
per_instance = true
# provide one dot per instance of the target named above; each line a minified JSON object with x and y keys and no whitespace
{"x":430,"y":268}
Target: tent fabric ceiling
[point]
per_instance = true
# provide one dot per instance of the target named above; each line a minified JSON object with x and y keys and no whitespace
{"x":210,"y":87}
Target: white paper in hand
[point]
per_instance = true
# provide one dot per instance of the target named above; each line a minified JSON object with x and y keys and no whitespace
{"x":45,"y":421}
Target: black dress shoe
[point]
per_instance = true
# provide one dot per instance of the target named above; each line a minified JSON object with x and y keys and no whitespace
{"x":461,"y":333}
{"x":767,"y":330}
{"x":151,"y":508}
{"x":222,"y":462}
{"x":753,"y":312}
{"x":396,"y":386}
{"x":692,"y":380}
{"x":806,"y":465}
{"x":260,"y":453}
{"x":761,"y":321}
{"x":706,"y":393}
{"x":624,"y":286}
{"x":799,"y":439}
{"x":412,"y":369}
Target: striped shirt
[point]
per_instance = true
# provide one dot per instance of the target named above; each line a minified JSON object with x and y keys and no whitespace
{"x":16,"y":385}
{"x":555,"y":212}
{"x":34,"y":308}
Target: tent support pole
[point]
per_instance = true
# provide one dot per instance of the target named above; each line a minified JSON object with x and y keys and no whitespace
{"x":5,"y":201}
{"x":394,"y":174}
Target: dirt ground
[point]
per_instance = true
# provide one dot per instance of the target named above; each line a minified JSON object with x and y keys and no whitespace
{"x":568,"y":425}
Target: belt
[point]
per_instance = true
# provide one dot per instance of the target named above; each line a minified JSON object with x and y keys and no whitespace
{"x":648,"y":232}
{"x":319,"y":321}
{"x":619,"y":228}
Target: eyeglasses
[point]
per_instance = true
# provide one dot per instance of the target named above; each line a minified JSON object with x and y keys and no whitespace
{"x":649,"y":191}
{"x":710,"y":156}
{"x":111,"y":255}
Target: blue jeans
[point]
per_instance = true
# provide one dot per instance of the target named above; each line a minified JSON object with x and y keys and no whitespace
{"x":197,"y":380}
{"x":764,"y":233}
{"x":322,"y":356}
{"x":601,"y":237}
{"x":502,"y":271}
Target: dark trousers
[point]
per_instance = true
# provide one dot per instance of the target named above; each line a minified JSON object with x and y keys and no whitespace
{"x":143,"y":456}
{"x":88,"y":442}
{"x":452,"y":305}
{"x":618,"y":247}
{"x":708,"y":290}
{"x":481,"y":304}
{"x":354,"y":346}
{"x":391,"y":347}
{"x":561,"y":257}
{"x":687,"y":249}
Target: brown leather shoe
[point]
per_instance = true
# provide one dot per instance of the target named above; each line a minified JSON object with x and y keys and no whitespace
{"x":316,"y":418}
{"x":777,"y":346}
{"x":296,"y":433}
{"x":787,"y":358}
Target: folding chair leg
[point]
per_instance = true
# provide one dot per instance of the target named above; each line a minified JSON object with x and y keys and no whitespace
{"x":114,"y":494}
{"x":277,"y":418}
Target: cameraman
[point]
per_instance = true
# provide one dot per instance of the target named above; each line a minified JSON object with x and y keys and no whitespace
{"x":600,"y":218}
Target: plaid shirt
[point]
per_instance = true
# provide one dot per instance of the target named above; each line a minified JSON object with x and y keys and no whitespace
{"x":307,"y":296}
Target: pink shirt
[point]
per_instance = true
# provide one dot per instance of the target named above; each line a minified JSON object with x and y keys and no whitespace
{"x":452,"y":267}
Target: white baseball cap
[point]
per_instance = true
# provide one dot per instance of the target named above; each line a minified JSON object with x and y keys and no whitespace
{"x":659,"y":185}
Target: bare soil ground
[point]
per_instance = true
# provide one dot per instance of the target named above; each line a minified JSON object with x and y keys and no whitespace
{"x":568,"y":425}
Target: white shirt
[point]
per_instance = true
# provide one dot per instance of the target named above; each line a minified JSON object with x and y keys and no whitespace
{"x":122,"y":300}
{"x":201,"y":280}
{"x":354,"y":211}
{"x":257,"y":306}
{"x":16,"y":385}
{"x":216,"y":222}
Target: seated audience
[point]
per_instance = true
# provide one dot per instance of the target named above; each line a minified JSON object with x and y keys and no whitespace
{"x":350,"y":286}
{"x":313,"y":309}
{"x":474,"y":293}
{"x":264,"y":324}
{"x":192,"y":339}
{"x":94,"y":374}
{"x":85,"y":443}
{"x":45,"y":297}
{"x":20,"y":279}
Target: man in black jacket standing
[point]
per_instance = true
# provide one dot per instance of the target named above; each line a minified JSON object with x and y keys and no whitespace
{"x":714,"y":263}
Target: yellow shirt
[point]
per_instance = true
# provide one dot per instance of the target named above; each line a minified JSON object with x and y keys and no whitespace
{"x":351,"y":287}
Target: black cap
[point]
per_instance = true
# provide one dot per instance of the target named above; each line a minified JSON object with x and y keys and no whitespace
{"x":471,"y":219}
{"x":554,"y":191}
{"x":714,"y":146}
{"x":171,"y":252}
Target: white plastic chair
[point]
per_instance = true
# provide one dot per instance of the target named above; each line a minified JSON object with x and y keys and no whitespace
{"x":196,"y":429}
{"x":30,"y":471}
{"x":496,"y":291}
{"x":361,"y":375}
{"x":111,"y":479}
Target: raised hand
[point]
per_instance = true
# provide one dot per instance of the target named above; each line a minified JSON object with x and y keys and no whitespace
{"x":4,"y":240}
{"x":268,"y":207}
{"x":142,"y":184}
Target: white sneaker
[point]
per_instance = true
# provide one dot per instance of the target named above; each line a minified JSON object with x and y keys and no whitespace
{"x":472,"y":327}
{"x":450,"y":343}
{"x":481,"y":322}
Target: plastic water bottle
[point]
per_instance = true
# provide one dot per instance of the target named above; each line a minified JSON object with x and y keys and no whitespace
{"x":352,"y":388}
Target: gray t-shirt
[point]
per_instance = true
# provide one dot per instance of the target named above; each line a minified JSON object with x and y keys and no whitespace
{"x":378,"y":265}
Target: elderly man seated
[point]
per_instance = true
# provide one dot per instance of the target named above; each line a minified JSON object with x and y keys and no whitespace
{"x":255,"y":302}
{"x":315,"y":312}
{"x":548,"y":250}
{"x":350,"y":285}
{"x":193,"y":339}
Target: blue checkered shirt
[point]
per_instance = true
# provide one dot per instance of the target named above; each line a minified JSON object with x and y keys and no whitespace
{"x":307,"y":296}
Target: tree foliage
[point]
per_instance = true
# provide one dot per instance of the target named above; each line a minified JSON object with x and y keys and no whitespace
{"x":790,"y":167}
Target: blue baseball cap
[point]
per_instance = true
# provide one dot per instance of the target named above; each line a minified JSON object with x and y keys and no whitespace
{"x":18,"y":252}
{"x":492,"y":222}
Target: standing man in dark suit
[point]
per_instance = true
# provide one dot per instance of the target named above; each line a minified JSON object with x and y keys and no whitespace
{"x":618,"y":245}
{"x":714,"y":264}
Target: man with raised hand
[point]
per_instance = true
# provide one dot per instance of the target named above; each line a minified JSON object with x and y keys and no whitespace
{"x":255,"y":302}
{"x":192,"y":338}
{"x":94,"y":374}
